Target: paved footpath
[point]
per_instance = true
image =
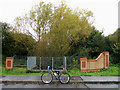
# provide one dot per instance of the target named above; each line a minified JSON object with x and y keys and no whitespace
{"x":24,"y":81}
{"x":81,"y":79}
{"x":86,"y":86}
{"x":30,"y":79}
{"x":112,"y":79}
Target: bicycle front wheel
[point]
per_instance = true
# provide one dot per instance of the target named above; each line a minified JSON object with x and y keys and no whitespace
{"x":46,"y":78}
{"x":64,"y":78}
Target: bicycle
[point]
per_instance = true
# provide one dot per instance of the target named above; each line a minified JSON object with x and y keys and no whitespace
{"x":47,"y":77}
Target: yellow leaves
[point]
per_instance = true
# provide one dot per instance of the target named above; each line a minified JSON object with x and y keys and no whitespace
{"x":89,"y":13}
{"x":75,"y":61}
{"x":116,"y":45}
{"x":41,"y":3}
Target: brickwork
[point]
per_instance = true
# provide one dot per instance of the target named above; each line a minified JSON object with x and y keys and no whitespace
{"x":101,"y":62}
{"x":9,"y":63}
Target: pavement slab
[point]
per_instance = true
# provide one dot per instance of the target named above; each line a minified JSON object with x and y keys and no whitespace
{"x":44,"y":86}
{"x":100,"y":78}
{"x":21,"y":78}
{"x":0,"y":86}
{"x":13,"y":86}
{"x":102,"y":85}
{"x":86,"y":87}
{"x":34,"y":78}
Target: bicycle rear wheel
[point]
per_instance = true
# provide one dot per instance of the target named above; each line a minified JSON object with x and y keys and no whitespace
{"x":46,"y":78}
{"x":64,"y":78}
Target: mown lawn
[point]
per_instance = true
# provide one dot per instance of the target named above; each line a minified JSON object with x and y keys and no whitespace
{"x":113,"y":70}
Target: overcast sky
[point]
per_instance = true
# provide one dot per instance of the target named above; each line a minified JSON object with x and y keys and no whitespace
{"x":104,"y":11}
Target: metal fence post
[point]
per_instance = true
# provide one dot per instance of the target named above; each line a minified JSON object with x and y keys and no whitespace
{"x":27,"y":63}
{"x":65,"y":63}
{"x":52,"y":63}
{"x":35,"y":60}
{"x":40,"y":63}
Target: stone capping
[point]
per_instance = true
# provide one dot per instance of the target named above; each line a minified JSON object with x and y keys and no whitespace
{"x":9,"y":57}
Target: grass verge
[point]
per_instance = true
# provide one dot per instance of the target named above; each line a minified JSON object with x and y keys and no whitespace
{"x":113,"y":70}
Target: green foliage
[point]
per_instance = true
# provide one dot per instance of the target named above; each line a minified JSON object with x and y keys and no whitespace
{"x":23,"y":44}
{"x":7,"y":39}
{"x":14,"y":43}
{"x":115,"y":46}
{"x":95,"y":43}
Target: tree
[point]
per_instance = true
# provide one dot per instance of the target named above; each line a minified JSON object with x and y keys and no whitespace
{"x":7,"y":40}
{"x":39,"y":19}
{"x":15,"y":43}
{"x":23,"y":44}
{"x":115,"y":46}
{"x":57,"y":29}
{"x":69,"y":27}
{"x":37,"y":24}
{"x":95,"y":43}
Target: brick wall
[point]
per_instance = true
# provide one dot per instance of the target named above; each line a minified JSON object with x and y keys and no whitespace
{"x":101,"y":62}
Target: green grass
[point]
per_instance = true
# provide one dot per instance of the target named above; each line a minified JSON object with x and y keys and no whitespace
{"x":113,"y":70}
{"x":0,"y":70}
{"x":17,"y":71}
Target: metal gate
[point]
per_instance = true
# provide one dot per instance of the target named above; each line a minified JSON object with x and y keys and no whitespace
{"x":31,"y":62}
{"x":55,"y":63}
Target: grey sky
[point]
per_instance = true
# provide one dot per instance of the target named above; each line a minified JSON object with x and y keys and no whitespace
{"x":105,"y":11}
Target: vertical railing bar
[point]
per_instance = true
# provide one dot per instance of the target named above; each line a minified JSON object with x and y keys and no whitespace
{"x":27,"y":63}
{"x":40,"y":63}
{"x":65,"y":62}
{"x":52,"y":63}
{"x":35,"y":60}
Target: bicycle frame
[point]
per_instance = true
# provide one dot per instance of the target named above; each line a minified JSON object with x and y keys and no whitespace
{"x":52,"y":72}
